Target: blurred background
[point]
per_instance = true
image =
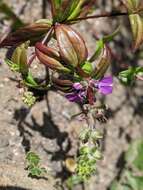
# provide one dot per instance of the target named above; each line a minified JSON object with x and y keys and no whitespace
{"x":47,"y":129}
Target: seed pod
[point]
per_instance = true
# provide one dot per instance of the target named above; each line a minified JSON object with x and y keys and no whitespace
{"x":135,"y":7}
{"x":137,"y":29}
{"x":62,"y":84}
{"x":72,"y":47}
{"x":19,"y":57}
{"x":102,"y":63}
{"x":52,"y":52}
{"x":31,"y":32}
{"x":49,"y":57}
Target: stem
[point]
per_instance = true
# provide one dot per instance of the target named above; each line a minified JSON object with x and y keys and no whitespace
{"x":44,"y":5}
{"x":102,"y":15}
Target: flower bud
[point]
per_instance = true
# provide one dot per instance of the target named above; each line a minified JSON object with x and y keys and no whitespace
{"x":72,"y":47}
{"x":49,"y":57}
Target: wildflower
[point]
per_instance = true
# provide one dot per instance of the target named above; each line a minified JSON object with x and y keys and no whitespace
{"x":104,"y":86}
{"x":78,"y":95}
{"x":80,"y":91}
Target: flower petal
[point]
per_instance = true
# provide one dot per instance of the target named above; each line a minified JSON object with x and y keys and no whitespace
{"x":73,"y":97}
{"x":106,"y":81}
{"x":77,"y":86}
{"x":106,"y":90}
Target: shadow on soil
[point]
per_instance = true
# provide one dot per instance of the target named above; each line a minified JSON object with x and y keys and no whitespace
{"x":48,"y":130}
{"x":12,"y":188}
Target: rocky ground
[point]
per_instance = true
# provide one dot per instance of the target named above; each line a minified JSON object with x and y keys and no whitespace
{"x":46,"y":128}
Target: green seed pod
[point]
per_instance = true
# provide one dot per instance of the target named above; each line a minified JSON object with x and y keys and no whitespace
{"x":19,"y":57}
{"x":135,"y":9}
{"x":102,"y":63}
{"x":133,"y":5}
{"x":136,"y":22}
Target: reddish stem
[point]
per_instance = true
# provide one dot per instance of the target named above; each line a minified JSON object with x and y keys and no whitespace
{"x":103,"y":15}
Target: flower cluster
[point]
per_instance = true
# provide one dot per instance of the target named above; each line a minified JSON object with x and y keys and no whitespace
{"x":80,"y":91}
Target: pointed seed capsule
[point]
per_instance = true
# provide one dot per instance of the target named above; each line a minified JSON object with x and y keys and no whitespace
{"x":47,"y":56}
{"x":72,"y":46}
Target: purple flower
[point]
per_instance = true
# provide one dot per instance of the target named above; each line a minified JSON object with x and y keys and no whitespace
{"x":77,"y":86}
{"x":78,"y":95}
{"x":104,"y":86}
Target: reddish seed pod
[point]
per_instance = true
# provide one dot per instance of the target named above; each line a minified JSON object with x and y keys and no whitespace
{"x":31,"y":32}
{"x":52,"y":52}
{"x":72,"y":46}
{"x":47,"y":56}
{"x":62,"y":84}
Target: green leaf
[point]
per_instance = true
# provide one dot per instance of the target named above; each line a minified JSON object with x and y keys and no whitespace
{"x":13,"y":66}
{"x":131,"y":177}
{"x":139,"y":71}
{"x":35,"y":171}
{"x":56,"y":6}
{"x":139,"y":181}
{"x":68,"y":10}
{"x":134,"y":155}
{"x":131,"y":181}
{"x":99,"y":47}
{"x":30,"y":81}
{"x":87,"y":67}
{"x":32,"y":158}
{"x":72,"y":181}
{"x":101,"y":43}
{"x":116,"y":186}
{"x":75,"y":9}
{"x":127,"y":76}
{"x":33,"y":165}
{"x":44,"y":21}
